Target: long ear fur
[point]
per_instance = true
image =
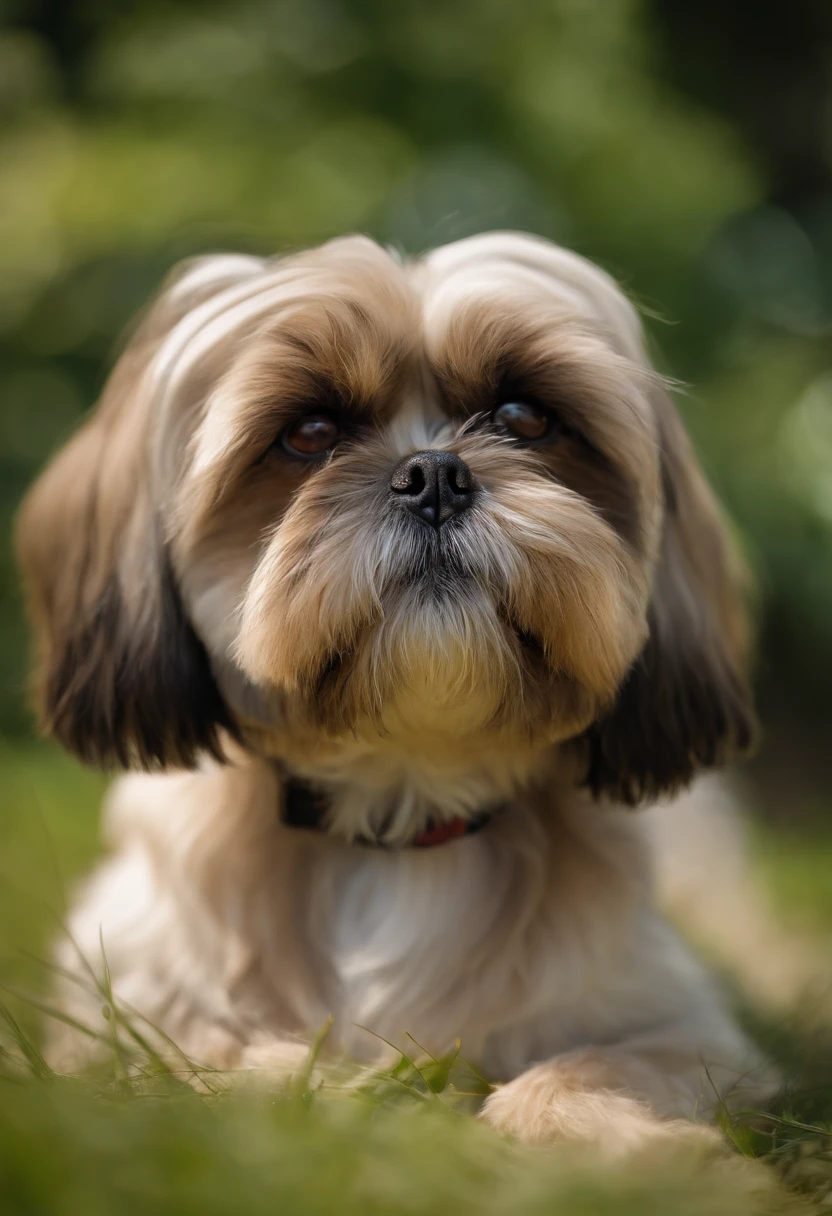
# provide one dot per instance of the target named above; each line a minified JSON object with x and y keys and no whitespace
{"x":685,"y":703}
{"x":122,"y":678}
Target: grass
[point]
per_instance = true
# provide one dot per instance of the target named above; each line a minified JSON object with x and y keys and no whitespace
{"x":137,"y":1138}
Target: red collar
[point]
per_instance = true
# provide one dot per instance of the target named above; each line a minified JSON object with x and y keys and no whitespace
{"x":304,"y":806}
{"x":440,"y":833}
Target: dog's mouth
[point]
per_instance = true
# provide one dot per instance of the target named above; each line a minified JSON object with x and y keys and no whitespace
{"x":530,"y":643}
{"x":436,"y":557}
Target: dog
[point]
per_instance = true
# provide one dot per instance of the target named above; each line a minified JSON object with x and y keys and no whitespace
{"x":397,"y":584}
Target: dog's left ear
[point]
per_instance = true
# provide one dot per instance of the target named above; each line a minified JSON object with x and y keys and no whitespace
{"x":122,"y":678}
{"x":685,"y":703}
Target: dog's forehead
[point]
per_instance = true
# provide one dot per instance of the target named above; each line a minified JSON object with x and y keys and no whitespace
{"x":513,"y":268}
{"x":223,"y":297}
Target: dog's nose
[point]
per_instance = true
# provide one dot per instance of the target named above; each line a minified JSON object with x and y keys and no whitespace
{"x":433,"y":485}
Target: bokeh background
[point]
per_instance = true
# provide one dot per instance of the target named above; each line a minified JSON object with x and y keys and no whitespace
{"x":685,"y":146}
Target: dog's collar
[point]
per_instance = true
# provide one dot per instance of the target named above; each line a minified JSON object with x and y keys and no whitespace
{"x":304,"y":806}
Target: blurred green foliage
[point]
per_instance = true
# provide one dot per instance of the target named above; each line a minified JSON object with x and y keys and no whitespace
{"x":687,"y":146}
{"x":686,"y":151}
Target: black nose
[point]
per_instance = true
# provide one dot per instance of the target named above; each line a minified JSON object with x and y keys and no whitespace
{"x":433,"y":485}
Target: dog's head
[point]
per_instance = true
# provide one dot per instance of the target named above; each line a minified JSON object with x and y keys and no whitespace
{"x":342,"y":497}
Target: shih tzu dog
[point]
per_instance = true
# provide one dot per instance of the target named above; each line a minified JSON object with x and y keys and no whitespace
{"x":401,"y":582}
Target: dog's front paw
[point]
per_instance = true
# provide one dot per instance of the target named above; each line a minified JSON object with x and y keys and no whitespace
{"x":541,"y":1107}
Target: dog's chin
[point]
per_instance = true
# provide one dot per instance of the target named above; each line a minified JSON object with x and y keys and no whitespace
{"x":443,"y":660}
{"x":444,"y":592}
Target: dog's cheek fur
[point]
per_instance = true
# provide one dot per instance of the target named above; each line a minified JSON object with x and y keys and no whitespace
{"x":572,"y":583}
{"x":316,"y":583}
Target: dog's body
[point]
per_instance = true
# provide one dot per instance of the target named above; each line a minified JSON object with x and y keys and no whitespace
{"x":427,"y":541}
{"x":535,"y":940}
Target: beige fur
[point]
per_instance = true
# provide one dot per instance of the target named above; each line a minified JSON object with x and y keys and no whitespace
{"x":576,"y":639}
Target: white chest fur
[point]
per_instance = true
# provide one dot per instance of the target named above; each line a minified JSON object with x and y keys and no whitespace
{"x":467,"y":939}
{"x":518,"y":940}
{"x":407,"y":932}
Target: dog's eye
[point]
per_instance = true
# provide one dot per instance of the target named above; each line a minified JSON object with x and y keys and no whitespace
{"x":314,"y":435}
{"x":523,"y":420}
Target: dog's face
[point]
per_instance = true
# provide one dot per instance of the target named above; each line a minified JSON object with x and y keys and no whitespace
{"x":339,"y":501}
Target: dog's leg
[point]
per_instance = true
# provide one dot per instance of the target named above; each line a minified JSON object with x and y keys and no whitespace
{"x":624,"y":1097}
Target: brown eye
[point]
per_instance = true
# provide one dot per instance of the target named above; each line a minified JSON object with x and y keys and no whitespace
{"x":523,"y":420}
{"x":311,"y":436}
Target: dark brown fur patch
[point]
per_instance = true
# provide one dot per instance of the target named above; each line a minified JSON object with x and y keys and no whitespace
{"x":685,"y":703}
{"x":135,"y":696}
{"x":679,"y":709}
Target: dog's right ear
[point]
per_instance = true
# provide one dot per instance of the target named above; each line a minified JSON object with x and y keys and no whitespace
{"x":122,"y":678}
